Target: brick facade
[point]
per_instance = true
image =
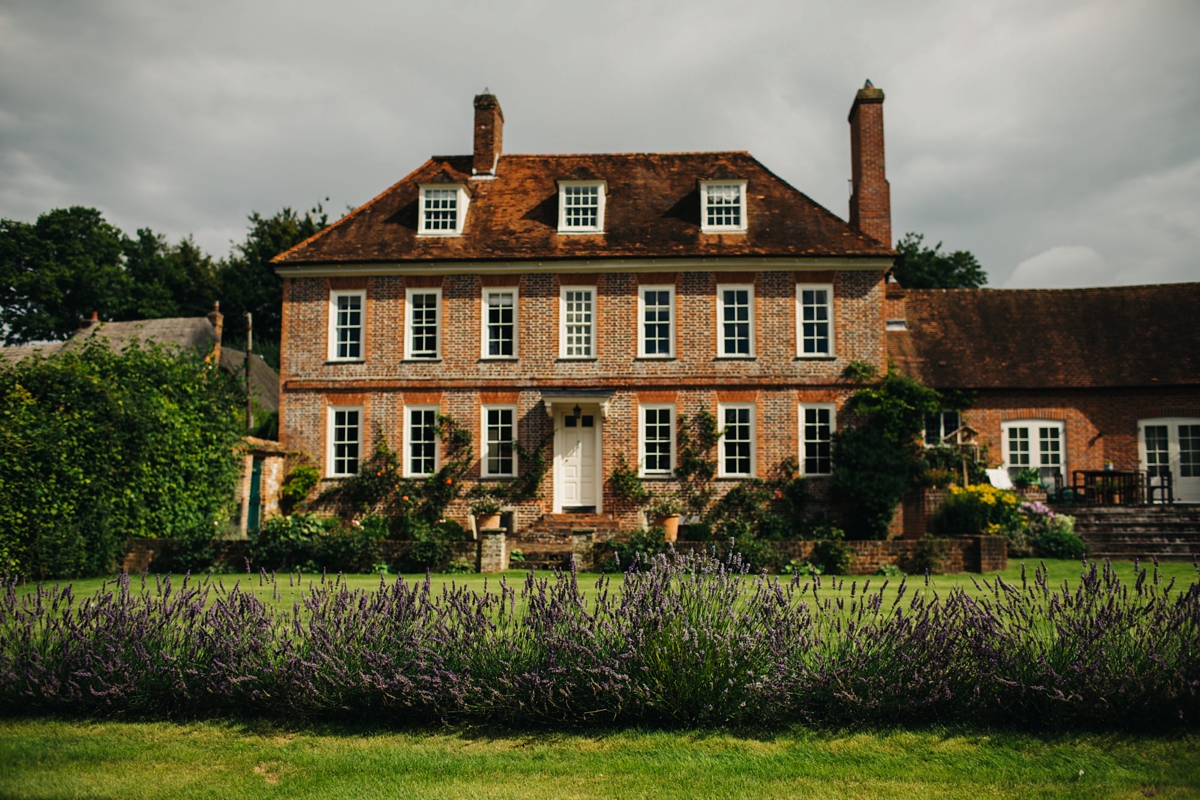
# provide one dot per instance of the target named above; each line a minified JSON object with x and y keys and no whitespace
{"x":383,"y":383}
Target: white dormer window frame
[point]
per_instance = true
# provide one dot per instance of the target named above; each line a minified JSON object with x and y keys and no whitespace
{"x":444,"y":207}
{"x":584,"y":199}
{"x":723,"y":206}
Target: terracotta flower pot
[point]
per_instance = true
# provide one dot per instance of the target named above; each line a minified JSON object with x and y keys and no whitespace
{"x":670,"y":524}
{"x":489,"y":521}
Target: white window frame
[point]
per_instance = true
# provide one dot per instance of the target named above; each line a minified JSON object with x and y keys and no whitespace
{"x":941,"y":417}
{"x":704,"y":226}
{"x":408,"y":441}
{"x":484,"y":341}
{"x":562,"y":323}
{"x":408,"y":323}
{"x":483,"y":437}
{"x":820,"y":287}
{"x":333,"y":326}
{"x":643,"y":470}
{"x":1035,"y":443}
{"x":330,"y":444}
{"x":462,"y":201}
{"x":641,"y":332}
{"x":721,"y":471}
{"x":721,"y":289}
{"x":601,"y":198}
{"x":832,"y":408}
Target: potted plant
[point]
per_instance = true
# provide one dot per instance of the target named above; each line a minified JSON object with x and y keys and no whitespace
{"x":665,"y":511}
{"x":485,"y":507}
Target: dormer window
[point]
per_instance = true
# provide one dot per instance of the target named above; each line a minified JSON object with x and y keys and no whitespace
{"x":722,"y":206}
{"x":581,"y":206}
{"x":443,"y":210}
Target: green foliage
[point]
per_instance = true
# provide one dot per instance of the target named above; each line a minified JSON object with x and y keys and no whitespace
{"x":167,"y":280}
{"x":756,"y":554}
{"x":1027,"y":477}
{"x":889,"y":571}
{"x":97,"y":446}
{"x":650,"y":541}
{"x":860,"y":372}
{"x":921,"y":267}
{"x":1055,"y":542}
{"x":832,"y":552}
{"x":978,"y":510}
{"x":771,"y":509}
{"x":312,"y":543}
{"x":872,"y":461}
{"x":301,"y":479}
{"x":626,"y":485}
{"x":931,"y":555}
{"x":249,"y":282}
{"x":431,"y":546}
{"x":57,"y":271}
{"x":696,"y":440}
{"x":414,"y":505}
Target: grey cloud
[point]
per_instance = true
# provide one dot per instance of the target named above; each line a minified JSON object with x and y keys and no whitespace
{"x":1013,"y":128}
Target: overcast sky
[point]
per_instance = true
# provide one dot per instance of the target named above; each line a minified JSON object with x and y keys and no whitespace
{"x":1060,"y":142}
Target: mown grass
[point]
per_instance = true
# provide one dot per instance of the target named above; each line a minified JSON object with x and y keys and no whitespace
{"x":290,"y":589}
{"x":52,"y":759}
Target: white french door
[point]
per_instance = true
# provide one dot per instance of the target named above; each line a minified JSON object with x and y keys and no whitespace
{"x":1039,"y":444}
{"x":1172,"y":445}
{"x":576,"y":462}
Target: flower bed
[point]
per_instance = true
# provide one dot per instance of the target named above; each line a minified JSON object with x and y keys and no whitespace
{"x":688,"y":640}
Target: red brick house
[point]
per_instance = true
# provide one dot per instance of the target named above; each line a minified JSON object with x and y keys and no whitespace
{"x":1064,"y":379}
{"x":592,"y":297}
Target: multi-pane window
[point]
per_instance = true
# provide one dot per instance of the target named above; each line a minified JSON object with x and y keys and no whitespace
{"x":817,"y":424}
{"x":500,"y":457}
{"x":1035,"y":444}
{"x":346,"y":330}
{"x":424,"y":308}
{"x":500,"y":323}
{"x":657,"y":303}
{"x":723,"y":206}
{"x":345,"y":440}
{"x":422,"y":441}
{"x":1158,"y":451}
{"x":940,"y":425}
{"x":1189,"y":451}
{"x":736,"y":320}
{"x":577,"y":322}
{"x":815,"y":320}
{"x":737,"y":443}
{"x":580,"y":207}
{"x":442,"y":210}
{"x":657,"y":440}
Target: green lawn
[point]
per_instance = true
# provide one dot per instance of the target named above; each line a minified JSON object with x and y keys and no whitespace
{"x":293,"y":587}
{"x":56,"y":759}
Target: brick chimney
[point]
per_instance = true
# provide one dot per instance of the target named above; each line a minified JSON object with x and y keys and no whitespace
{"x":870,"y":197}
{"x":489,"y":133}
{"x":217,"y":320}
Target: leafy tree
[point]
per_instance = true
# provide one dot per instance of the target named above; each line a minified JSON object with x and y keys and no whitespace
{"x":167,"y":280}
{"x":873,"y":460}
{"x":249,"y":282}
{"x":97,"y":446}
{"x":922,"y":267}
{"x":57,"y":271}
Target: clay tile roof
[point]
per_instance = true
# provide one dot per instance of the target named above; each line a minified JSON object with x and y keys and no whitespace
{"x":652,"y":211}
{"x":1051,"y":338}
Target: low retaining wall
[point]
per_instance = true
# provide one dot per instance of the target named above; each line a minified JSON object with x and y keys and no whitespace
{"x":963,"y":554}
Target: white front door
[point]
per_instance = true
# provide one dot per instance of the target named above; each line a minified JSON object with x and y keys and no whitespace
{"x":1173,"y":446}
{"x":576,"y":462}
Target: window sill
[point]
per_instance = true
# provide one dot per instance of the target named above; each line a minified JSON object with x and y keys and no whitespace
{"x":578,"y":358}
{"x":496,"y":478}
{"x":499,"y":358}
{"x":656,"y":358}
{"x":579,"y":232}
{"x":736,"y":477}
{"x":816,"y":358}
{"x":657,"y":476}
{"x":345,"y":361}
{"x":736,"y":358}
{"x":432,"y":235}
{"x":422,"y":360}
{"x":704,"y":229}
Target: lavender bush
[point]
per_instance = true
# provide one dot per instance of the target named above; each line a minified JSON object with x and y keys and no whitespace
{"x":688,"y":640}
